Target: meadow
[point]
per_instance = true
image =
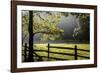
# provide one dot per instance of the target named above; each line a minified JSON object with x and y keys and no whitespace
{"x":44,"y":51}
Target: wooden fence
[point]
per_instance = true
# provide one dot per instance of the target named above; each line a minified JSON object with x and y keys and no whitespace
{"x":39,"y":58}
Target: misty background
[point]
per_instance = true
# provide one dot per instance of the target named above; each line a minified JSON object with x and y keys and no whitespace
{"x":68,"y":24}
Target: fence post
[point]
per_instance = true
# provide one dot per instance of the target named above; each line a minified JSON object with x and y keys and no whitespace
{"x":75,"y":52}
{"x":25,"y":52}
{"x":48,"y":51}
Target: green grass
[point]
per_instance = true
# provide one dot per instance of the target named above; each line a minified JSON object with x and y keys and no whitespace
{"x":60,"y":50}
{"x":79,"y":46}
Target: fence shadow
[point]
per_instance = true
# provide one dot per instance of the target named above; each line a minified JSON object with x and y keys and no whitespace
{"x":39,"y":58}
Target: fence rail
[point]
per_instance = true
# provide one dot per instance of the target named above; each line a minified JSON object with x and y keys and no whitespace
{"x":68,"y":48}
{"x":49,"y":52}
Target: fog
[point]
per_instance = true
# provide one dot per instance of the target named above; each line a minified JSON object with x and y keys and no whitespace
{"x":68,"y":24}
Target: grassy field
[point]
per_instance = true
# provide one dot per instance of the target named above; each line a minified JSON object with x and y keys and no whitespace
{"x":60,"y":50}
{"x":79,"y":46}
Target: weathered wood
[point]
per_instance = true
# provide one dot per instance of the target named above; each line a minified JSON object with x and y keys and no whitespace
{"x":48,"y":51}
{"x":83,"y":56}
{"x":25,"y":52}
{"x":69,"y":48}
{"x":54,"y":52}
{"x":76,"y":53}
{"x":61,"y":47}
{"x":61,"y":53}
{"x":58,"y":53}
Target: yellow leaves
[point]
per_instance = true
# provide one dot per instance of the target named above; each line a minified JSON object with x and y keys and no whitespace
{"x":61,"y":30}
{"x":44,"y":22}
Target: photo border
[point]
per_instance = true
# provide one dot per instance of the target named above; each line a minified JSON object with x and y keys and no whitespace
{"x":45,"y":4}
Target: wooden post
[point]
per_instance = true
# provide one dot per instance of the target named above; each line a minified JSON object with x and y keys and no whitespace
{"x":48,"y":51}
{"x":75,"y":52}
{"x":25,"y":53}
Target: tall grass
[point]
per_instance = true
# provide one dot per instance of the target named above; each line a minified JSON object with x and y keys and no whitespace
{"x":79,"y":46}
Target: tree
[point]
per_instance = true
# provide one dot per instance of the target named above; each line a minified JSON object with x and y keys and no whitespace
{"x":45,"y":23}
{"x":48,"y":25}
{"x":82,"y":29}
{"x":30,"y":30}
{"x":35,"y":22}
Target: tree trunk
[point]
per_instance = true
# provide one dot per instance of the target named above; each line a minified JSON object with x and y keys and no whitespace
{"x":30,"y":28}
